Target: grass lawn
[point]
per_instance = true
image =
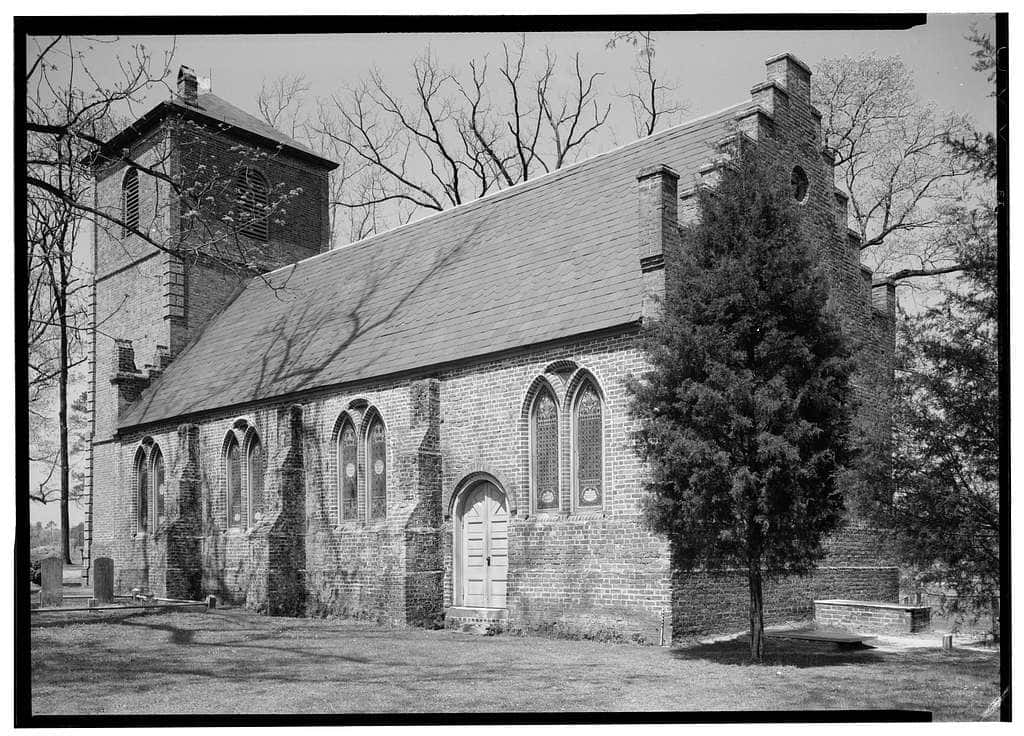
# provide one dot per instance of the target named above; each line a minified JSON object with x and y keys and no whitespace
{"x":235,"y":662}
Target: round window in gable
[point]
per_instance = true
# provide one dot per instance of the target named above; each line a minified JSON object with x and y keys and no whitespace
{"x":798,"y":180}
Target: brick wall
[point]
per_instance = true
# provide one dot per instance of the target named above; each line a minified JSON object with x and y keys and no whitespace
{"x":567,"y":566}
{"x":159,"y":301}
{"x":858,"y":564}
{"x":580,"y":570}
{"x":871,"y":619}
{"x":298,"y":227}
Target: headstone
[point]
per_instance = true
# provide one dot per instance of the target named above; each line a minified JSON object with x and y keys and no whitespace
{"x":103,"y":580}
{"x":52,"y":594}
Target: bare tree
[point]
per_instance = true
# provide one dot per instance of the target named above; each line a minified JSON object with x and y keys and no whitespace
{"x":892,"y":160}
{"x":71,"y":112}
{"x":652,"y":98}
{"x":281,"y":103}
{"x":452,"y":137}
{"x":56,"y":284}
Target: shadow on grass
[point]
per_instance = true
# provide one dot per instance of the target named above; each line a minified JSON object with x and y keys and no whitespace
{"x":87,"y":618}
{"x":259,"y":662}
{"x":780,"y":652}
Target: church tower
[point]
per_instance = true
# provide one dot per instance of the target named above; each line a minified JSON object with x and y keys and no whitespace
{"x":205,"y":197}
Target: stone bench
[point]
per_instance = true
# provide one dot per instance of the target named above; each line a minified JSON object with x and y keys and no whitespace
{"x":872,"y":616}
{"x":842,"y":639}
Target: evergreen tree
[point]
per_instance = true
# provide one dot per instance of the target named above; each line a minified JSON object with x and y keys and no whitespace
{"x":745,"y":412}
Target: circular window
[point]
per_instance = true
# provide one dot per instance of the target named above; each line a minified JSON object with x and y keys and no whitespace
{"x":799,"y":183}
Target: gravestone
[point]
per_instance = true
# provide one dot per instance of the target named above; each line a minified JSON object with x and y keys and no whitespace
{"x":103,"y":580}
{"x":52,"y":571}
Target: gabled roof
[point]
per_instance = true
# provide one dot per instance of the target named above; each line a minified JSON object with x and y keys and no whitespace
{"x":211,"y":109}
{"x":551,"y":258}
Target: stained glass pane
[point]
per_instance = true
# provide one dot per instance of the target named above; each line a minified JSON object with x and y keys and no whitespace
{"x":378,"y":472}
{"x":588,"y":449}
{"x":159,"y":487}
{"x":234,"y":473}
{"x":545,"y":452}
{"x":257,"y":469}
{"x":349,"y":473}
{"x":143,"y":501}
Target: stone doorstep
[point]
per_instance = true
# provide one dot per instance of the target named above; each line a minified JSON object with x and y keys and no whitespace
{"x":470,"y":613}
{"x":475,"y":620}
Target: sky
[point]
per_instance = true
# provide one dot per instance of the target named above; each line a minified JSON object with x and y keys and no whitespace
{"x":711,"y":70}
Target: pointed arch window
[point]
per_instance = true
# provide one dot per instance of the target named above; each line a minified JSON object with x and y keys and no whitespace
{"x":348,"y":472}
{"x":233,"y":478}
{"x":142,"y":490}
{"x":544,"y":451}
{"x":376,"y":440}
{"x":159,"y":487}
{"x":150,"y":487}
{"x":253,"y":191}
{"x":130,"y":200}
{"x":256,"y":468}
{"x":589,"y":448}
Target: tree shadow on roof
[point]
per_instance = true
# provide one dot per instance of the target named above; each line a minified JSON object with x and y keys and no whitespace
{"x":372,"y":307}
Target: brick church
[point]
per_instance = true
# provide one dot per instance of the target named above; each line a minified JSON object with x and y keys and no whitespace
{"x":430,"y":423}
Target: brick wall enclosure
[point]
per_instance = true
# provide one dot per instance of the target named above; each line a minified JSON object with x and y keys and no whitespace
{"x":446,"y":428}
{"x":872,"y":618}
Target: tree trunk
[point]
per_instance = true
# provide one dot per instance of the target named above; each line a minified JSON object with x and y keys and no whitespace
{"x":65,"y":469}
{"x":756,"y":613}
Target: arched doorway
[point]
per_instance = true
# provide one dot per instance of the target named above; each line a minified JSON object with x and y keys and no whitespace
{"x":482,"y":549}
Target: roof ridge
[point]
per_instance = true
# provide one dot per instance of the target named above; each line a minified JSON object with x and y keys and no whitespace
{"x":518,"y":187}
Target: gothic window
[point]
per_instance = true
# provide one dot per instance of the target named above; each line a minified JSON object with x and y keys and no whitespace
{"x":348,"y":472}
{"x":798,"y":180}
{"x":158,"y":486}
{"x":589,"y":460}
{"x":253,"y":199}
{"x":142,"y":490}
{"x":256,"y":467}
{"x":130,"y":200}
{"x":378,"y":468}
{"x":545,"y":451}
{"x":233,"y":476}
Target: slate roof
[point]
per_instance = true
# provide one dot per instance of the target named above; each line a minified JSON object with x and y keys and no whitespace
{"x":210,"y":108}
{"x":551,"y":258}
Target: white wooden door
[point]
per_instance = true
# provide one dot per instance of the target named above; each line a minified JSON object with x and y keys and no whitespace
{"x":485,"y":547}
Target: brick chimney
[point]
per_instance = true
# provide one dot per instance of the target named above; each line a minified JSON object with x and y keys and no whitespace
{"x":794,"y":75}
{"x":124,"y":356}
{"x":659,"y":229}
{"x":188,"y":86}
{"x":883,"y":297}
